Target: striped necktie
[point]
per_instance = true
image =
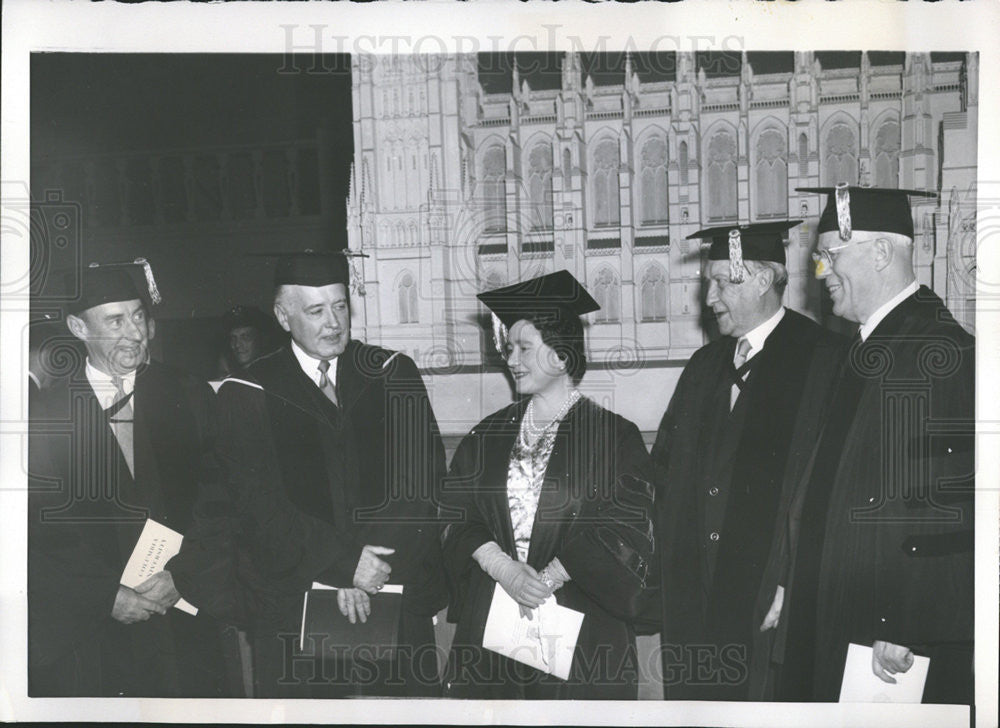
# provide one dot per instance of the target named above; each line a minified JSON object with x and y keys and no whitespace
{"x":120,"y":417}
{"x":325,"y":385}
{"x":742,"y":349}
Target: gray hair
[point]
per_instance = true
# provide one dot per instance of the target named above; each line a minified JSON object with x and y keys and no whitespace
{"x":779,"y":273}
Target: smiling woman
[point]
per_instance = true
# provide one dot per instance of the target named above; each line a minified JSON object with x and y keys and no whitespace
{"x":572,"y":524}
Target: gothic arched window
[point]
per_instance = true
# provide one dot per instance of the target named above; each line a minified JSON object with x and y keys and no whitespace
{"x":653,"y":291}
{"x":567,"y":168}
{"x":771,"y":175}
{"x":494,"y":190}
{"x":606,"y":206}
{"x":887,"y":155}
{"x":682,"y":161}
{"x":607,"y":293}
{"x":840,"y":156}
{"x":407,"y":298}
{"x":721,"y":175}
{"x":803,"y":152}
{"x":540,"y":185}
{"x":654,"y":182}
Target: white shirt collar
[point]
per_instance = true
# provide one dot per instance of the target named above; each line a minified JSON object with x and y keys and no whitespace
{"x":104,"y":388}
{"x":759,"y":335}
{"x":885,"y":309}
{"x":311,"y":366}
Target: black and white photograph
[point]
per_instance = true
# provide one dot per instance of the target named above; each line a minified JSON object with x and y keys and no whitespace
{"x":450,"y":372}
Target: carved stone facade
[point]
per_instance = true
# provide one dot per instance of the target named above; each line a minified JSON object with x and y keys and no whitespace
{"x":455,"y":190}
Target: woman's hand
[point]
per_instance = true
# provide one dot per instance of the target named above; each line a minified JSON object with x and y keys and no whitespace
{"x":521,"y":582}
{"x":518,"y":579}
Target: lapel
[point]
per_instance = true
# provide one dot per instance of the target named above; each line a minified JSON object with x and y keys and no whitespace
{"x":351,"y":379}
{"x":569,"y":464}
{"x":296,"y":389}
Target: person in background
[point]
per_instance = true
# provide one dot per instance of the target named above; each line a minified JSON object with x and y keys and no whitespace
{"x":245,"y":330}
{"x":120,"y":440}
{"x":881,"y":527}
{"x":747,"y":407}
{"x":549,"y":496}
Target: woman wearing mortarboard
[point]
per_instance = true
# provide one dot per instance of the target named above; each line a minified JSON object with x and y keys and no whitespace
{"x":547,"y":498}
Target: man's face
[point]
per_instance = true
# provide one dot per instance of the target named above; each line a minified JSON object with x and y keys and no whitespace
{"x":116,"y":335}
{"x":319,"y":319}
{"x":243,"y":343}
{"x":737,"y":306}
{"x":850,"y":276}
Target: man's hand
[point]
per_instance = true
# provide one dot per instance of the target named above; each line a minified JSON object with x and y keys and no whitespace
{"x":159,"y":588}
{"x":354,"y":604}
{"x":372,"y":572}
{"x":774,"y":613}
{"x":131,"y":607}
{"x":888,"y":659}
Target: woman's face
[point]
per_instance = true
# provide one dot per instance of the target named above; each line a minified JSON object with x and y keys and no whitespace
{"x":533,"y":363}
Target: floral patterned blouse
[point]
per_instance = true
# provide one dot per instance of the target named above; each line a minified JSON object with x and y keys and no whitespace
{"x":525,"y":476}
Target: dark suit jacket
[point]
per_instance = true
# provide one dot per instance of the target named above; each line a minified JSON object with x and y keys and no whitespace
{"x":85,"y":515}
{"x":897,"y":556}
{"x":720,"y":488}
{"x":312,"y":483}
{"x":593,"y":514}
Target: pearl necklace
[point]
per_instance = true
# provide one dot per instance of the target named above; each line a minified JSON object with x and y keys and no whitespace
{"x":530,"y":432}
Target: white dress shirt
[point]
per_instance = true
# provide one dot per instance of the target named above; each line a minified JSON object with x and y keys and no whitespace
{"x":756,"y":338}
{"x":311,"y":366}
{"x":885,"y":309}
{"x":759,"y":335}
{"x":104,"y":388}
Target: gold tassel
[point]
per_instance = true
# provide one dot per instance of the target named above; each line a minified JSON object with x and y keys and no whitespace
{"x":499,"y":336}
{"x":735,"y":257}
{"x":154,"y":292}
{"x":843,"y":196}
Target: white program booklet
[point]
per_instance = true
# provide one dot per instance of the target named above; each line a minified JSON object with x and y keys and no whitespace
{"x":861,"y":685}
{"x":157,"y":544}
{"x":546,"y":642}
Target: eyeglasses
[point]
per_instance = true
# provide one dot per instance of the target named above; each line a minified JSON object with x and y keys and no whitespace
{"x":823,"y":259}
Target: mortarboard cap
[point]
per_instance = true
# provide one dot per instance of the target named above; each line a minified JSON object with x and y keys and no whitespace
{"x":312,"y":268}
{"x":102,"y":283}
{"x":736,"y":243}
{"x":553,"y":293}
{"x":869,"y":209}
{"x":547,"y":295}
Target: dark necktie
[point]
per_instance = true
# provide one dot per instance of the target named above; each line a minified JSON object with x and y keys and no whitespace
{"x":120,"y":417}
{"x":325,"y":385}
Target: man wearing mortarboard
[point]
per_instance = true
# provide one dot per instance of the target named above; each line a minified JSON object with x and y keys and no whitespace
{"x":120,"y":439}
{"x":746,"y":407}
{"x":881,"y":526}
{"x":333,"y":458}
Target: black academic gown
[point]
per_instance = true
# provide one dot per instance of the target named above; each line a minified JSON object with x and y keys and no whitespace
{"x":881,"y":526}
{"x":719,"y":490}
{"x":85,"y":515}
{"x":312,"y":483}
{"x":593,"y":514}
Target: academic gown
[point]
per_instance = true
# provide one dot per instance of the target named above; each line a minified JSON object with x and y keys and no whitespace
{"x":720,"y":476}
{"x":312,"y":483}
{"x":86,"y":512}
{"x":881,"y":526}
{"x":593,"y":514}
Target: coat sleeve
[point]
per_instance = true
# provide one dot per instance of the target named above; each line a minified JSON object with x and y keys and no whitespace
{"x":286,"y":543}
{"x":925,"y":543}
{"x":609,"y":550}
{"x":465,"y":526}
{"x":71,"y":586}
{"x":415,"y":465}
